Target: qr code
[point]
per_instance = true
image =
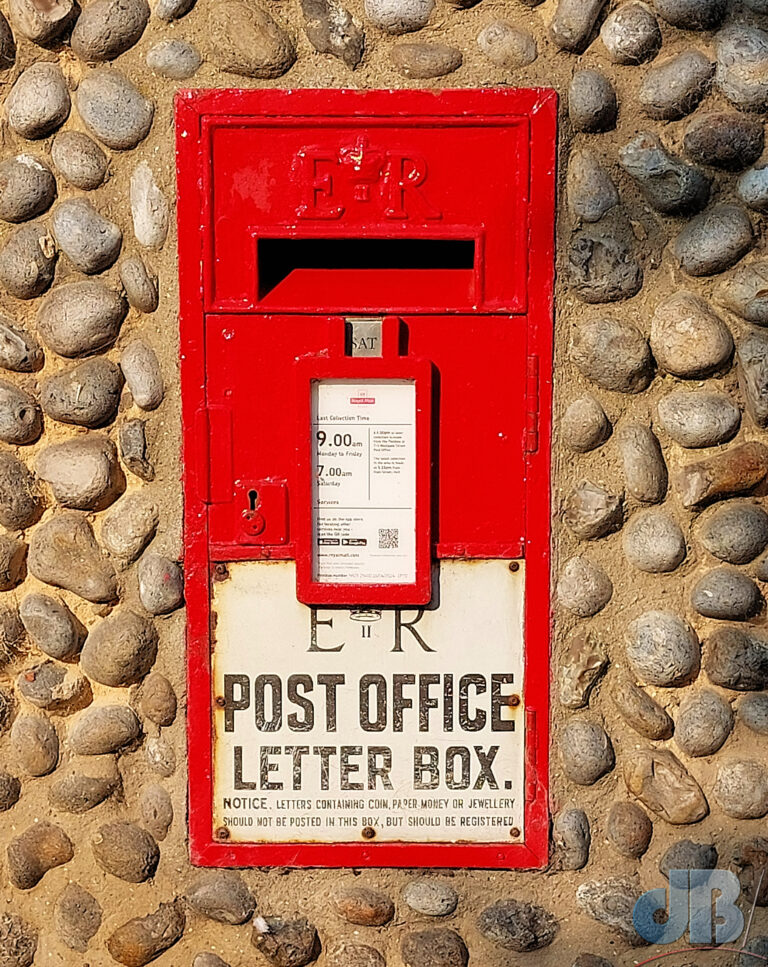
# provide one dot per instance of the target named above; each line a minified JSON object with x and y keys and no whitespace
{"x":388,"y":538}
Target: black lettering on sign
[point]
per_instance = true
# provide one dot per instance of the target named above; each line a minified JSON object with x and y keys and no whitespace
{"x":448,"y":703}
{"x":399,"y":701}
{"x":232,"y":704}
{"x":452,"y":780}
{"x":325,"y":752}
{"x":426,"y":772}
{"x":305,"y":724}
{"x":379,"y":723}
{"x":297,"y":751}
{"x":400,"y":624}
{"x":348,"y":768}
{"x":240,"y":783}
{"x":376,"y":771}
{"x":498,"y":702}
{"x":426,"y":702}
{"x":486,"y":762}
{"x":260,"y":685}
{"x":330,"y":683}
{"x":267,"y":767}
{"x":471,"y":723}
{"x":314,"y":622}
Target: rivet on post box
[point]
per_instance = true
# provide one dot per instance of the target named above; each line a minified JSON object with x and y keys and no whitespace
{"x":366,"y":341}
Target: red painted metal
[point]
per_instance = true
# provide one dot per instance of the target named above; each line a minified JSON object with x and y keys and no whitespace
{"x":261,"y":169}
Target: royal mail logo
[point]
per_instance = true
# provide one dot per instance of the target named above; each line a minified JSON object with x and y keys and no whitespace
{"x":390,"y":184}
{"x":362,"y":400}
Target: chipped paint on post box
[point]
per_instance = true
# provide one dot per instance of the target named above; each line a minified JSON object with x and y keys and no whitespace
{"x":366,"y":394}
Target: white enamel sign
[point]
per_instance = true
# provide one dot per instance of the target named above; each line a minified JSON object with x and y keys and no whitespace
{"x":337,"y":725}
{"x":364,"y":481}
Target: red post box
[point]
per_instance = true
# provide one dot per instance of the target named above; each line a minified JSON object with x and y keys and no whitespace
{"x":366,"y":340}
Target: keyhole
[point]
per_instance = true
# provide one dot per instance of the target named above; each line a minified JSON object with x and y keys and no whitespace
{"x":253,"y":499}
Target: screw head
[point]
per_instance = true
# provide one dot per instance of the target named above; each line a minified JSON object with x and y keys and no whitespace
{"x":514,"y":832}
{"x":368,"y":832}
{"x":221,"y":833}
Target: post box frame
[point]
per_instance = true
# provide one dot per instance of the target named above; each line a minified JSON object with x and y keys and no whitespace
{"x":195,"y":112}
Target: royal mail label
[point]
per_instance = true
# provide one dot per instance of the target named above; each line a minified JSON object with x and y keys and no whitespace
{"x":364,"y":481}
{"x":387,"y":724}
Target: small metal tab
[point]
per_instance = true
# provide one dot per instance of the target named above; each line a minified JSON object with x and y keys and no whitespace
{"x":363,"y":336}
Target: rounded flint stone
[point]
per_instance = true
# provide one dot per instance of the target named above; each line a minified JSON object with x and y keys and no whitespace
{"x":645,"y":472}
{"x":172,"y":9}
{"x":668,"y":184}
{"x":737,"y":658}
{"x":77,"y":793}
{"x":20,"y":500}
{"x":590,"y":189}
{"x":42,"y":22}
{"x":107,"y":28}
{"x":688,"y":339}
{"x":631,"y":34}
{"x":687,"y":855}
{"x":83,"y":473}
{"x":40,"y":848}
{"x":143,"y":939}
{"x":431,"y":897}
{"x":591,"y":511}
{"x":91,"y":241}
{"x":741,"y":789}
{"x":602,"y":268}
{"x":507,"y":46}
{"x":126,"y":851}
{"x":176,"y":59}
{"x":21,"y":421}
{"x":142,"y":373}
{"x":584,"y":425}
{"x":63,"y":552}
{"x":653,"y":542}
{"x":583,"y":588}
{"x":39,"y":101}
{"x":133,"y":449}
{"x":221,"y":896}
{"x":19,"y":350}
{"x":745,"y":292}
{"x":27,"y":261}
{"x":736,"y":531}
{"x":79,"y":159}
{"x":753,"y":712}
{"x":104,"y":729}
{"x":156,"y":811}
{"x":113,"y":109}
{"x":612,"y":353}
{"x":423,"y":61}
{"x":727,"y":594}
{"x":422,"y":947}
{"x":140,"y":285}
{"x":27,"y":188}
{"x":518,"y":926}
{"x":674,"y":87}
{"x":149,"y":208}
{"x":715,"y":240}
{"x":573,"y":23}
{"x":161,"y":584}
{"x":592,"y":104}
{"x":77,"y":916}
{"x":586,"y":752}
{"x":54,"y":687}
{"x":724,"y":140}
{"x":610,"y":902}
{"x":752,"y":358}
{"x":703,"y":723}
{"x":81,"y":318}
{"x":246,"y":40}
{"x":692,"y":14}
{"x":752,"y":188}
{"x":629,"y":829}
{"x":52,"y":626}
{"x":663,"y":649}
{"x":641,"y":712}
{"x":85,"y":395}
{"x":699,"y":419}
{"x":120,"y":650}
{"x":742,"y":56}
{"x":572,"y":839}
{"x":35,"y":744}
